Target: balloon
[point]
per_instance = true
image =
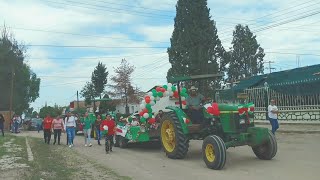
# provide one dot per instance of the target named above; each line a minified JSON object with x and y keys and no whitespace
{"x":151,"y":121}
{"x":148,"y":106}
{"x":158,"y":89}
{"x":154,"y":93}
{"x":150,"y":115}
{"x":165,"y":94}
{"x":169,"y":85}
{"x":147,"y":97}
{"x":150,"y":94}
{"x":142,"y":106}
{"x":210,"y":110}
{"x":163,"y":90}
{"x":148,"y":101}
{"x":175,"y":94}
{"x":143,"y":120}
{"x":183,"y":98}
{"x":152,"y":103}
{"x":169,"y":89}
{"x":170,"y":93}
{"x":160,"y":94}
{"x":183,"y":94}
{"x":145,"y":110}
{"x":152,"y":98}
{"x":184,"y":102}
{"x":146,"y":115}
{"x":143,"y":102}
{"x":165,"y":87}
{"x":130,"y":119}
{"x":141,"y":113}
{"x":173,"y":88}
{"x":184,"y":90}
{"x":158,"y":98}
{"x":150,"y":110}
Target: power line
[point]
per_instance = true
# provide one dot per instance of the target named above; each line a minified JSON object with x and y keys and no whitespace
{"x":87,"y":46}
{"x":270,"y":68}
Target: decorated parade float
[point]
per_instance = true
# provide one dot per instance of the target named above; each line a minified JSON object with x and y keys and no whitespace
{"x":224,"y":126}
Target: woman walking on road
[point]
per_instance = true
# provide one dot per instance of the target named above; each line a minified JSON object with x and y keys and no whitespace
{"x":110,"y":132}
{"x":57,"y":127}
{"x":87,"y":129}
{"x":70,"y":128}
{"x":47,"y":126}
{"x":97,"y":128}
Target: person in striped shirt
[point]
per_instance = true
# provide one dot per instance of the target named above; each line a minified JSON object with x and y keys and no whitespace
{"x":57,"y":128}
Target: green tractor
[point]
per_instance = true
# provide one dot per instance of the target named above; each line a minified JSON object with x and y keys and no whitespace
{"x":234,"y":126}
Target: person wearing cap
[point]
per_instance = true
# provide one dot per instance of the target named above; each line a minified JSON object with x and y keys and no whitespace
{"x":194,"y":101}
{"x":273,"y":116}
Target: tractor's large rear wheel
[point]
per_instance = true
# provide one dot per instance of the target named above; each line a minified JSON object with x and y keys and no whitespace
{"x":173,"y":140}
{"x":268,"y":149}
{"x":214,"y":152}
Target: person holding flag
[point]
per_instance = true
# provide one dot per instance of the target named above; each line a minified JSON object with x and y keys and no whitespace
{"x":107,"y":128}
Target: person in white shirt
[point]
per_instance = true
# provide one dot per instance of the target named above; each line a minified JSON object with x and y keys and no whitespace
{"x":273,"y":116}
{"x":70,"y":125}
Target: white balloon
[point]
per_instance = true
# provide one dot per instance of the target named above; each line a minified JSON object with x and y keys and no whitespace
{"x":145,"y":115}
{"x":158,"y":98}
{"x":170,"y":93}
{"x":152,"y":103}
{"x":143,"y":102}
{"x":142,"y":106}
{"x":165,"y":94}
{"x":150,"y":94}
{"x":169,"y":89}
{"x":152,"y":98}
{"x":183,"y":98}
{"x":169,"y":85}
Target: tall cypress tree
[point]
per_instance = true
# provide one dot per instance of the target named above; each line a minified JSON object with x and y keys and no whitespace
{"x":246,"y":54}
{"x":195,"y":46}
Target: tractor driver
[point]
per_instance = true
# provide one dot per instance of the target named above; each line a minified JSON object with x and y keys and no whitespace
{"x":193,"y":102}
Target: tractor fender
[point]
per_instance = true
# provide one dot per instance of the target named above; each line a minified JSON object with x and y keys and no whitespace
{"x":181,"y":114}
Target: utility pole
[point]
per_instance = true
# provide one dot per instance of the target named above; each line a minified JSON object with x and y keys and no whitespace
{"x":77,"y":100}
{"x":11,"y":91}
{"x":298,"y":60}
{"x":270,"y":68}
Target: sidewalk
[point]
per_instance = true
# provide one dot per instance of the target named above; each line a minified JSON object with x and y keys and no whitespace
{"x":308,"y":127}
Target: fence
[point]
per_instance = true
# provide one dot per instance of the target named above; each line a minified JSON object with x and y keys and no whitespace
{"x":292,"y":107}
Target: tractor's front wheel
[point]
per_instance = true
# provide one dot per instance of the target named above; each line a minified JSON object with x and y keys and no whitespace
{"x":214,"y":152}
{"x":268,"y":149}
{"x":173,"y":140}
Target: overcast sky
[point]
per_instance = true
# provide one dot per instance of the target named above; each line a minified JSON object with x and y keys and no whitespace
{"x":140,"y":31}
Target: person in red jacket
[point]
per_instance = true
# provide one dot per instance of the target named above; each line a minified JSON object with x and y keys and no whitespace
{"x":47,"y":123}
{"x":111,"y":130}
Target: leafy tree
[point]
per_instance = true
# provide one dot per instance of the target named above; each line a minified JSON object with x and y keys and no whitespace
{"x":34,"y":114}
{"x":88,"y":92}
{"x":106,"y":106}
{"x":26,"y":84}
{"x":246,"y":56}
{"x":52,"y":111}
{"x":195,"y":46}
{"x":122,"y":87}
{"x":99,"y":78}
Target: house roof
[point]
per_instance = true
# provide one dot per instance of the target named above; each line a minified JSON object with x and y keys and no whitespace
{"x":298,"y":81}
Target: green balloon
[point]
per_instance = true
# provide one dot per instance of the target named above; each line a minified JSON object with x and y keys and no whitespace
{"x":173,"y":88}
{"x":183,"y":94}
{"x":148,"y":106}
{"x":160,"y":94}
{"x":150,"y":115}
{"x":130,"y":119}
{"x":165,"y":87}
{"x":184,"y":90}
{"x":150,"y":110}
{"x":143,"y":120}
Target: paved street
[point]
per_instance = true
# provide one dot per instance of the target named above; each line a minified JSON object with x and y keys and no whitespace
{"x":298,"y":158}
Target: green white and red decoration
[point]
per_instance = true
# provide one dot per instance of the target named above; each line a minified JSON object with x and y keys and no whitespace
{"x":214,"y":109}
{"x":186,"y":121}
{"x":105,"y":130}
{"x":155,"y":95}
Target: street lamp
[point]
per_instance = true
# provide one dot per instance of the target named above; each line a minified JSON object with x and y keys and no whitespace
{"x":266,"y":100}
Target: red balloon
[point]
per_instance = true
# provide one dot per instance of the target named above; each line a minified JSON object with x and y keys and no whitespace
{"x":151,"y":121}
{"x":175,"y":94}
{"x":141,"y":113}
{"x":163,"y":90}
{"x":210,"y":110}
{"x":145,"y":110}
{"x":147,"y":97}
{"x":148,"y":100}
{"x":184,"y":102}
{"x":158,"y":89}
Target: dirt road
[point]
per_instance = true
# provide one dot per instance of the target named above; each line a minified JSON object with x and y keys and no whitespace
{"x":298,"y":158}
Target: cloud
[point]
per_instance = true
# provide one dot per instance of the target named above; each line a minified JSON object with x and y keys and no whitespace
{"x":156,"y":33}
